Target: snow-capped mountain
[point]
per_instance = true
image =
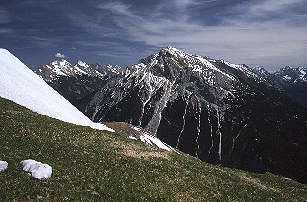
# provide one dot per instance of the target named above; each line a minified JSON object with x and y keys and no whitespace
{"x":19,"y":84}
{"x":292,"y":81}
{"x":214,"y":110}
{"x":108,"y":70}
{"x":59,"y":68}
{"x":292,"y":75}
{"x":211,"y":109}
{"x":76,"y":82}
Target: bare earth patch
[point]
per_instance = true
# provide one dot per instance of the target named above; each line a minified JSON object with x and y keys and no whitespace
{"x":123,"y":128}
{"x":257,"y":183}
{"x":144,"y":154}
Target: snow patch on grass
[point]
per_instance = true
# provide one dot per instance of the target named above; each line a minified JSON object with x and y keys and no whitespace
{"x":37,"y":169}
{"x":3,"y":165}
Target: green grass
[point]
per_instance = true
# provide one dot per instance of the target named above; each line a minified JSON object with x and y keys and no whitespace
{"x":94,"y":165}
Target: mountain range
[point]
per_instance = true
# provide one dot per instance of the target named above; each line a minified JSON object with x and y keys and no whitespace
{"x":291,"y":81}
{"x":112,"y":163}
{"x":216,"y":111}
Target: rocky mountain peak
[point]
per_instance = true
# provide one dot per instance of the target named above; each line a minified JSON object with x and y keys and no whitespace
{"x":261,"y":71}
{"x":291,"y":75}
{"x":60,"y":68}
{"x":82,"y":64}
{"x":176,"y":65}
{"x":173,"y":51}
{"x":286,"y":68}
{"x":60,"y":64}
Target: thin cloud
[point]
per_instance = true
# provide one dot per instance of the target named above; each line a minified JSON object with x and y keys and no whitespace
{"x":59,"y":55}
{"x":5,"y":31}
{"x":101,"y":44}
{"x":92,"y":24}
{"x":117,"y":7}
{"x":35,"y":3}
{"x":271,"y":6}
{"x":4,"y":16}
{"x":44,"y":42}
{"x":241,"y":39}
{"x":183,"y":4}
{"x":113,"y":55}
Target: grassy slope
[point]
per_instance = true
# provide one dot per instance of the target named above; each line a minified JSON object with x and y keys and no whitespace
{"x":89,"y":164}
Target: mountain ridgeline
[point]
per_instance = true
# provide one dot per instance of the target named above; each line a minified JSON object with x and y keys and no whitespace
{"x":219,"y":112}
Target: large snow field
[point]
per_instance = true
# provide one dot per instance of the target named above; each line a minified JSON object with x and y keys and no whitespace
{"x":22,"y":86}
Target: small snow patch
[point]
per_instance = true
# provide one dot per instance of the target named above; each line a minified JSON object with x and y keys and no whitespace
{"x":287,"y":77}
{"x":133,"y":138}
{"x":37,"y":169}
{"x":149,"y":139}
{"x":82,"y":64}
{"x":59,"y":55}
{"x":3,"y":165}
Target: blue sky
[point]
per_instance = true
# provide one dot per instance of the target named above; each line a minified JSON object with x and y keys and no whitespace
{"x":270,"y":33}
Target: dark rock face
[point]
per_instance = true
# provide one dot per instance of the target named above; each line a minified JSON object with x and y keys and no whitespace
{"x":77,"y":89}
{"x":216,"y":111}
{"x":292,"y":81}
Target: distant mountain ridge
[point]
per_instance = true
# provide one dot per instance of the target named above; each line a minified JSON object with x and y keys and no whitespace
{"x":76,"y":82}
{"x":214,"y":110}
{"x":292,"y":81}
{"x":292,"y":74}
{"x":59,"y":68}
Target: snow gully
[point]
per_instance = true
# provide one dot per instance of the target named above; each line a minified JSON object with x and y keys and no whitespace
{"x":183,"y":118}
{"x":198,"y":129}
